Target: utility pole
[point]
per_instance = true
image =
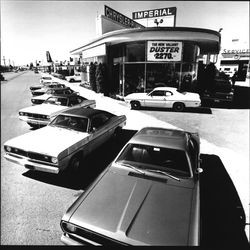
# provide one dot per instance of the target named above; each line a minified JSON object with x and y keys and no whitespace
{"x":4,"y":61}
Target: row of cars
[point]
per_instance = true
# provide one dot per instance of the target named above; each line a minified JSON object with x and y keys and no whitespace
{"x":148,"y":195}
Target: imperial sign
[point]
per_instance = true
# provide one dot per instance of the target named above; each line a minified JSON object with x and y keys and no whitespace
{"x":164,"y":51}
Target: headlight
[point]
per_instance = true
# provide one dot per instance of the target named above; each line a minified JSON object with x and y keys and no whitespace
{"x":68,"y":227}
{"x":21,"y":113}
{"x":7,"y":148}
{"x":54,"y":160}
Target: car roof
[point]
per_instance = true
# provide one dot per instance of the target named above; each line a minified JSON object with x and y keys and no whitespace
{"x":165,"y":88}
{"x":83,"y":112}
{"x":161,"y":137}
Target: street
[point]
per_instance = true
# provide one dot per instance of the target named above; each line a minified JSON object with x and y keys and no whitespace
{"x":32,"y":203}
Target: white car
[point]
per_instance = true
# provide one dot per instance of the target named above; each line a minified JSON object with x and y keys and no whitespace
{"x":71,"y":136}
{"x":75,"y":78}
{"x":46,"y":79}
{"x":164,"y":97}
{"x":40,"y":115}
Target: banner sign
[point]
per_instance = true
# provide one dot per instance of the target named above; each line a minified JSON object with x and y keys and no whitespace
{"x":169,"y":51}
{"x":154,"y":13}
{"x":120,"y":18}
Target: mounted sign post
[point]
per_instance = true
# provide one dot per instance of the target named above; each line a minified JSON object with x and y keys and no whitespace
{"x":168,"y":51}
{"x":120,"y":18}
{"x":166,"y":17}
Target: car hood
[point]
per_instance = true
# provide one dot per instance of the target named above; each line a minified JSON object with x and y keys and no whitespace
{"x":44,"y":109}
{"x":136,"y":96}
{"x":48,"y":140}
{"x":136,"y":210}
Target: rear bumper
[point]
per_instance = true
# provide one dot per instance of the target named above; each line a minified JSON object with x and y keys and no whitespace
{"x":31,"y":165}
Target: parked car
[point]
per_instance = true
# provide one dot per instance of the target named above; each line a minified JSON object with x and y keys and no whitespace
{"x":40,"y":115}
{"x":54,"y":91}
{"x":36,"y":87}
{"x":164,"y":97}
{"x":62,"y":144}
{"x":46,"y":78}
{"x":75,"y":78}
{"x":149,"y":195}
{"x":42,"y":90}
{"x":223,"y":93}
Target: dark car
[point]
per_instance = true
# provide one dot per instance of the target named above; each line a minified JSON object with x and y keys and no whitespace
{"x":149,"y":195}
{"x":53,"y":91}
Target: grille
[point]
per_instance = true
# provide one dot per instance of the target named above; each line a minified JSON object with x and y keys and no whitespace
{"x":38,"y":116}
{"x":31,"y":155}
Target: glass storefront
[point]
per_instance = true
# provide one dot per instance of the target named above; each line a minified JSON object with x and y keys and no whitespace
{"x":137,"y":74}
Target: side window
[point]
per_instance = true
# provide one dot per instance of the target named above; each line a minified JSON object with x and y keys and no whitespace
{"x":168,"y":93}
{"x":63,"y":101}
{"x":99,"y":120}
{"x":73,"y":101}
{"x":157,"y":93}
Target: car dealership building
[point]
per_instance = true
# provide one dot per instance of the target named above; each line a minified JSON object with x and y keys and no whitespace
{"x":139,"y":58}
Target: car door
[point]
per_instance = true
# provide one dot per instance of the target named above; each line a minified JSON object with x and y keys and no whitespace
{"x":99,"y":129}
{"x":169,"y":99}
{"x":156,"y":98}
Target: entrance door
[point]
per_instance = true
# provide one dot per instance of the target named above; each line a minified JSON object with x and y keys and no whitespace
{"x":134,"y":78}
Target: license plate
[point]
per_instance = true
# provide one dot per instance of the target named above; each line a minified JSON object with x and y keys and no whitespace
{"x":216,"y":100}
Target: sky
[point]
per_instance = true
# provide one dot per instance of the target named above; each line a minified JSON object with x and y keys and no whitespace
{"x":30,"y":28}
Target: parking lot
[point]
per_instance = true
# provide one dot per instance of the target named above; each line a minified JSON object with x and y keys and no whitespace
{"x":33,"y":203}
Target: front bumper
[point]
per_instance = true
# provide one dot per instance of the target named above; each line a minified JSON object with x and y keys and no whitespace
{"x":31,"y":165}
{"x":34,"y":121}
{"x":69,"y":241}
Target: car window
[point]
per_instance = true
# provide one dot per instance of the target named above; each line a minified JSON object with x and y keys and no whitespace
{"x":168,"y":93}
{"x":157,"y":93}
{"x":152,"y":157}
{"x":99,"y":120}
{"x":76,"y":100}
{"x":57,"y":101}
{"x":71,"y":122}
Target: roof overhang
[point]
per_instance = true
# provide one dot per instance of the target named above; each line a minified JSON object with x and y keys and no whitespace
{"x":208,"y":40}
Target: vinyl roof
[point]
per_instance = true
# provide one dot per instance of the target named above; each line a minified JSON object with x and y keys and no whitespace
{"x":83,"y":112}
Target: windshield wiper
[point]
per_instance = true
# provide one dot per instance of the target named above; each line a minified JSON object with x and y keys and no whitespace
{"x":130,"y":166}
{"x":164,"y":173}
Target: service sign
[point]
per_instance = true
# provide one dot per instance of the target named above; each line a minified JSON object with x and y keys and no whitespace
{"x":169,"y":51}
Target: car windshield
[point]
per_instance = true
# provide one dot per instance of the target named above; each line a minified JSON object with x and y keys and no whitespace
{"x":70,"y":122}
{"x":149,"y":157}
{"x":56,"y":101}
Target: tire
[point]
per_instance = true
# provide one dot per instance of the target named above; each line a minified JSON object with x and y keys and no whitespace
{"x":178,"y":106}
{"x":135,"y":105}
{"x":75,"y":163}
{"x":71,"y":80}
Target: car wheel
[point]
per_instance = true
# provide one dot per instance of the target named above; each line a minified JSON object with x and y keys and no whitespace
{"x":135,"y":105}
{"x":75,"y":163}
{"x":71,"y":80}
{"x":178,"y":106}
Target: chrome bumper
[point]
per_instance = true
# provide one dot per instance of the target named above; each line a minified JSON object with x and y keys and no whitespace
{"x":34,"y":121}
{"x":32,"y":165}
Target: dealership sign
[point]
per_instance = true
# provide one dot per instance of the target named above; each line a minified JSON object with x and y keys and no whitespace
{"x":164,"y":17}
{"x":120,"y":18}
{"x":154,"y":13}
{"x":169,"y":51}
